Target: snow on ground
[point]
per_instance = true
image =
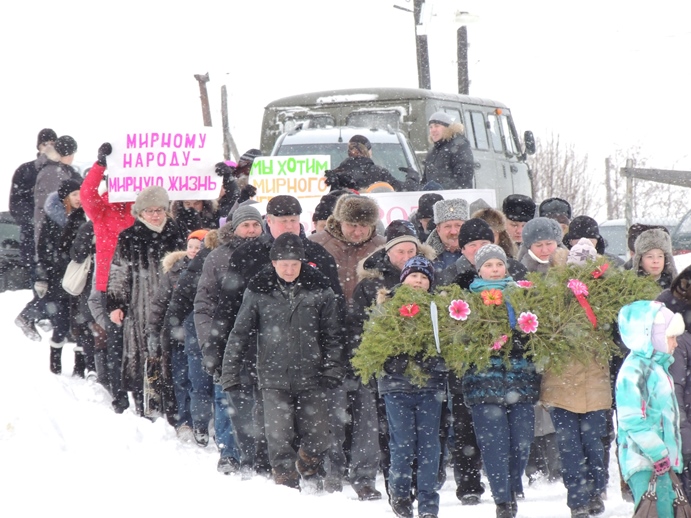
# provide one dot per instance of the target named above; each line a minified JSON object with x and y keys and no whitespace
{"x":63,"y":452}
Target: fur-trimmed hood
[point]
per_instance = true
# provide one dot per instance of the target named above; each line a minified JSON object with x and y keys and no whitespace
{"x":497,"y":222}
{"x":211,"y":240}
{"x":377,"y":265}
{"x":177,"y":259}
{"x":55,"y":209}
{"x":450,"y":132}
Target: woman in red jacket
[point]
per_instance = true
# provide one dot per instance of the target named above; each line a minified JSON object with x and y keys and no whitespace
{"x":109,"y":220}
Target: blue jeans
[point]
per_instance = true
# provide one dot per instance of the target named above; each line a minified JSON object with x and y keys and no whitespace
{"x":181,"y":383}
{"x":582,"y":453}
{"x":200,"y":382}
{"x":223,"y":428}
{"x":242,"y":417}
{"x":414,"y":419}
{"x":504,"y":434}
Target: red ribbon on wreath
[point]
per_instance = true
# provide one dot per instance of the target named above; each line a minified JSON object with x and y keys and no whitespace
{"x":580,"y":291}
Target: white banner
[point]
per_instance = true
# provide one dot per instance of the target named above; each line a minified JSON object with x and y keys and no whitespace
{"x":182,"y":162}
{"x":300,"y":176}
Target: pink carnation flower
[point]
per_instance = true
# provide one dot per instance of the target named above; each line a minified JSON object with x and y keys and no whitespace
{"x":524,"y":284}
{"x":459,"y":309}
{"x":527,"y":321}
{"x":578,"y":287}
{"x":502,"y":340}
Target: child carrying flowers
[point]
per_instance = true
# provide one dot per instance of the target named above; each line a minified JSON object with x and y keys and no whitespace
{"x":413,"y":412}
{"x":502,"y":397}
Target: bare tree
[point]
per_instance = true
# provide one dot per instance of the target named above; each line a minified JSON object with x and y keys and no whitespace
{"x":558,"y":171}
{"x":650,"y":199}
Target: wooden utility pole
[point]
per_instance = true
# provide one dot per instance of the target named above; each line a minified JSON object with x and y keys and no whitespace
{"x":628,"y":210}
{"x":608,"y":189}
{"x":204,"y":95}
{"x":229,"y":146}
{"x":462,"y":59}
{"x":422,"y":51}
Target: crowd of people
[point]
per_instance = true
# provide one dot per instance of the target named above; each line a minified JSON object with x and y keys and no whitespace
{"x":249,"y":327}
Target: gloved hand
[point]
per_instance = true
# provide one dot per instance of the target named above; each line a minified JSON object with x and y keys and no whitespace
{"x":662,"y":466}
{"x":223,"y":169}
{"x":153,"y":344}
{"x":338,"y":180}
{"x":396,"y":364}
{"x":41,"y":287}
{"x":247,"y":192}
{"x":103,"y":151}
{"x":410,"y":173}
{"x":329,"y":382}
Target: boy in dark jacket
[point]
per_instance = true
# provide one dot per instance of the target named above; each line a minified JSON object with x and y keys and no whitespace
{"x":292,"y":314}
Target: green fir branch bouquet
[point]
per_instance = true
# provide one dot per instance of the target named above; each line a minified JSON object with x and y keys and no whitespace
{"x":578,"y":307}
{"x":402,"y":325}
{"x":473,"y":327}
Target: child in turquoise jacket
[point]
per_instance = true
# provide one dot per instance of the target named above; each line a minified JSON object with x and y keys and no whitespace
{"x":648,"y":436}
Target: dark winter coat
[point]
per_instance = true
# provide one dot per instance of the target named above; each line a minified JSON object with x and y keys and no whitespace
{"x":190,"y":220}
{"x":213,"y":270}
{"x":246,"y":262}
{"x":298,"y":332}
{"x":173,"y":264}
{"x":48,"y":180}
{"x":133,"y":280}
{"x":422,"y":234}
{"x":450,"y":161}
{"x":22,"y":190}
{"x":463,"y":273}
{"x":680,"y":369}
{"x":83,"y":246}
{"x":53,"y":248}
{"x":363,"y":172}
{"x":109,"y":220}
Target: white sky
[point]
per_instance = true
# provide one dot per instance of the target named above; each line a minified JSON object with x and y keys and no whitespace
{"x":601,"y":74}
{"x":66,"y":454}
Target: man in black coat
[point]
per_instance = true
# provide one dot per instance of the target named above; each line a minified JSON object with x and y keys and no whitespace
{"x":290,"y":314}
{"x":283,"y":216}
{"x":22,"y":194}
{"x":450,"y":161}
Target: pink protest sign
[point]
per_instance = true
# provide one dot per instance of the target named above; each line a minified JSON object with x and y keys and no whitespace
{"x":182,"y":162}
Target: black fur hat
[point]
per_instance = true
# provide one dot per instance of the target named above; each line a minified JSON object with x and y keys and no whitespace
{"x":518,"y":207}
{"x":584,"y":226}
{"x":554,"y":206}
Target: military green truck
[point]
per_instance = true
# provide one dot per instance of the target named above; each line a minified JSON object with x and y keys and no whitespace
{"x":500,"y":156}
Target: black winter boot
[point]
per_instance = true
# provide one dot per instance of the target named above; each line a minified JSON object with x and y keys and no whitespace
{"x":505,"y":510}
{"x":55,"y":358}
{"x":79,"y":364}
{"x":402,"y":507}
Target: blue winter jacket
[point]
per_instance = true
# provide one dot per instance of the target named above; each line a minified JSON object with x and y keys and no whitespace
{"x":647,"y":410}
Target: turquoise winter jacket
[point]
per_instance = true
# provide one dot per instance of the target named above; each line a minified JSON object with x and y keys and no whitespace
{"x":647,"y":410}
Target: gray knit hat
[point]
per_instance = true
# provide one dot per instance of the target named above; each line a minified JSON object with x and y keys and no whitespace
{"x":442,"y":118}
{"x":541,"y":229}
{"x":448,"y":210}
{"x":150,"y":197}
{"x":244,"y":213}
{"x":487,"y":252}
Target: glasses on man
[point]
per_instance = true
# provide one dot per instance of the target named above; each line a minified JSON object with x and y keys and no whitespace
{"x":151,"y":212}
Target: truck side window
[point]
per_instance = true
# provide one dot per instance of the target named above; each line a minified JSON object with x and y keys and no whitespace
{"x":475,"y":130}
{"x":509,"y":139}
{"x":495,"y":133}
